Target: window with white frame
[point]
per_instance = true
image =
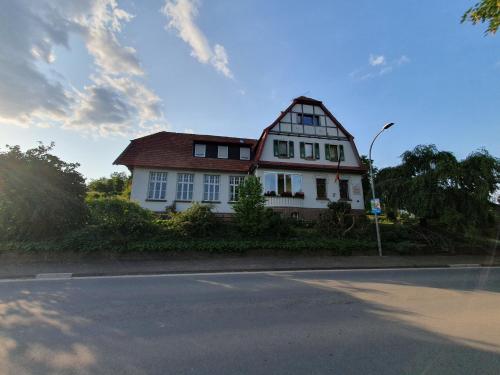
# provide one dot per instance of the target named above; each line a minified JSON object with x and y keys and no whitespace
{"x":211,"y":184}
{"x":185,"y":186}
{"x":157,"y":187}
{"x":245,"y":153}
{"x":200,"y":150}
{"x":234,"y":183}
{"x":282,"y":183}
{"x":222,"y":152}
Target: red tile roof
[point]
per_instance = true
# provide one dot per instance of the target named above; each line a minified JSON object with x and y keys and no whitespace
{"x":175,"y":150}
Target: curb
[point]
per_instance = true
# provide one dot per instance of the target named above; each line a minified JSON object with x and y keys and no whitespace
{"x":82,"y":275}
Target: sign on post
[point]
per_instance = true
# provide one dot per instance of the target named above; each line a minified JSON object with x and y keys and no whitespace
{"x":375,"y":206}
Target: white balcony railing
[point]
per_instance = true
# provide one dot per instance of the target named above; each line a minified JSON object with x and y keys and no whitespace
{"x":284,"y":202}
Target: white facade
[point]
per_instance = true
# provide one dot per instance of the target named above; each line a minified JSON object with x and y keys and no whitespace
{"x":140,"y":187}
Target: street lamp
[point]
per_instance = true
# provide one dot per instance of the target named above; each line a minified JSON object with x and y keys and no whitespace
{"x":385,"y":127}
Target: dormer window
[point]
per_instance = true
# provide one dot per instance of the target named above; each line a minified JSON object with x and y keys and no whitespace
{"x":200,"y":150}
{"x":244,"y":153}
{"x":222,"y":152}
{"x":306,"y":119}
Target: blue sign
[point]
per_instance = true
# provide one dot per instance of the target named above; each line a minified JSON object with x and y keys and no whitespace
{"x":375,"y":206}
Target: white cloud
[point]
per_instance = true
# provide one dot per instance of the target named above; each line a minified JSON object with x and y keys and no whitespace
{"x":378,"y":65}
{"x":116,"y":101}
{"x":188,"y":131}
{"x":181,"y":15}
{"x":376,"y":60}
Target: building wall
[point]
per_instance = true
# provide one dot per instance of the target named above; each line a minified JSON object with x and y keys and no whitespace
{"x":268,"y":151}
{"x":309,"y":189}
{"x":140,"y":182}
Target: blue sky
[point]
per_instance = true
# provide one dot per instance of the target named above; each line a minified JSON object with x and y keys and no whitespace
{"x":107,"y":72}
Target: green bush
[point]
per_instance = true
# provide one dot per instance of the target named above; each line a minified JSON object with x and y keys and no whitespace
{"x":249,"y":209}
{"x":197,"y":221}
{"x":335,"y":220}
{"x":120,"y":216}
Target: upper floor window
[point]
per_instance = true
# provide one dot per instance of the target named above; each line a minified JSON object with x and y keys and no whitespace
{"x":334,"y":152}
{"x":283,"y":149}
{"x":200,"y":150}
{"x":185,"y":186}
{"x":222,"y":152}
{"x":309,"y":150}
{"x":211,"y":188}
{"x":157,"y":186}
{"x":245,"y":153}
{"x":305,"y":119}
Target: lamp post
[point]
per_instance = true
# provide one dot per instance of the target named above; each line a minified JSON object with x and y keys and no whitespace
{"x":385,"y":127}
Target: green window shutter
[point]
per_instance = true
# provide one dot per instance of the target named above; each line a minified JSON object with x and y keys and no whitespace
{"x":275,"y":148}
{"x":316,"y":150}
{"x":302,"y":150}
{"x":327,"y":152}
{"x":290,"y":149}
{"x":341,"y":149}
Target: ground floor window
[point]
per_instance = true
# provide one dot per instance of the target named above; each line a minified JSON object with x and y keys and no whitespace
{"x":185,"y":186}
{"x":211,"y":185}
{"x":282,"y":183}
{"x":344,"y":189}
{"x":157,"y":186}
{"x":321,"y":188}
{"x":234,"y":182}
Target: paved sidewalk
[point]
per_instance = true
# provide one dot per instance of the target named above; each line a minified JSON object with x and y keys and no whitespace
{"x":12,"y":268}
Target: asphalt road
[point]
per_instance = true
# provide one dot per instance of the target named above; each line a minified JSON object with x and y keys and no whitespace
{"x":426,"y":321}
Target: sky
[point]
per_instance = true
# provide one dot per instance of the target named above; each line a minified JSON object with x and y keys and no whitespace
{"x":93,"y":74}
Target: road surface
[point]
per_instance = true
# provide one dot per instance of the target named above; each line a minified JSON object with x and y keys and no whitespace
{"x":422,"y":321}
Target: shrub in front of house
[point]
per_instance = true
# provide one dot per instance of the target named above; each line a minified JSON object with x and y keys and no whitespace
{"x":336,"y":220}
{"x":120,"y":216}
{"x":249,"y":209}
{"x":197,"y":221}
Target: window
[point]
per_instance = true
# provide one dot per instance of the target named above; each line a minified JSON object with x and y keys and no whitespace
{"x":332,"y":152}
{"x":307,"y":119}
{"x":211,"y":188}
{"x":244,"y":153}
{"x":321,"y":188}
{"x":309,"y":150}
{"x":200,"y":150}
{"x":283,"y":149}
{"x":234,"y":182}
{"x":222,"y":152}
{"x":185,"y":186}
{"x":157,"y":187}
{"x":344,"y":189}
{"x":282,"y":183}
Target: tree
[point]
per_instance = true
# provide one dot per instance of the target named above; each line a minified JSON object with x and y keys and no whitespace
{"x":250,"y":211}
{"x":484,"y":11}
{"x":40,"y":195}
{"x":365,"y":180}
{"x":433,"y":184}
{"x":116,"y":184}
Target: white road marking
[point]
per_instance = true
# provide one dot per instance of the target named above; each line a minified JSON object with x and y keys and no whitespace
{"x":54,"y":276}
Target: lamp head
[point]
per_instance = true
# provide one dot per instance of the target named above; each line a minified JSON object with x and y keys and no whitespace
{"x":388,"y":125}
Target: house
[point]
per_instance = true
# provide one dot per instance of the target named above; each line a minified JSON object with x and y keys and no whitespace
{"x":304,"y":159}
